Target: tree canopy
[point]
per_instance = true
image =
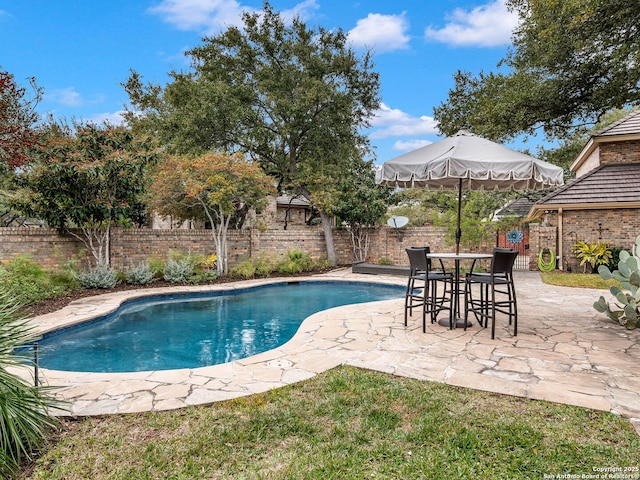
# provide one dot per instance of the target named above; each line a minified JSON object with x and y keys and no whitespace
{"x":361,"y":205}
{"x":210,"y":187}
{"x":88,"y":179}
{"x":17,"y":121}
{"x":571,"y":62}
{"x":291,"y":97}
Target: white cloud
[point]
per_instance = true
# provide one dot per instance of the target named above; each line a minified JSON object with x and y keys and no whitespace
{"x":212,"y":16}
{"x":409,"y":145}
{"x":303,"y":10}
{"x":389,"y":122}
{"x":115,"y":118}
{"x":489,"y":25}
{"x":65,"y":96}
{"x":200,"y":15}
{"x":381,"y":33}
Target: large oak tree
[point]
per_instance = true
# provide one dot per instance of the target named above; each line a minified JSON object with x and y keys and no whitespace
{"x":571,"y":62}
{"x":291,"y":97}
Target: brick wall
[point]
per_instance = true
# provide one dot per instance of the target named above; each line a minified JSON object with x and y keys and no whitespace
{"x":131,"y":246}
{"x":43,"y":244}
{"x":620,"y":152}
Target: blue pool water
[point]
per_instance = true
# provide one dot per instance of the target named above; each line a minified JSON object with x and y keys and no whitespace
{"x":195,"y":330}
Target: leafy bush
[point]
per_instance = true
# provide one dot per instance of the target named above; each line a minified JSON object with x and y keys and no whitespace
{"x":24,"y":409}
{"x":243,"y":269}
{"x":142,"y":274}
{"x":101,"y":276}
{"x":264,"y":267}
{"x":296,"y":261}
{"x":157,"y":265}
{"x":595,"y":254}
{"x":384,"y":261}
{"x":178,"y":271}
{"x":31,"y":283}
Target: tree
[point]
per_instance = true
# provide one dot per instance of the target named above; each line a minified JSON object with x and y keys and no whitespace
{"x":361,"y":204}
{"x":17,"y":119}
{"x":88,"y":180}
{"x":478,"y":209}
{"x":571,"y":62}
{"x":211,"y":187}
{"x":291,"y":97}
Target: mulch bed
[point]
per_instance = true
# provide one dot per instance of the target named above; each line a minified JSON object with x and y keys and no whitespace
{"x":53,"y":304}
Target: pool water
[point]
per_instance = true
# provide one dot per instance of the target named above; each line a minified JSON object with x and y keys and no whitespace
{"x":195,"y":330}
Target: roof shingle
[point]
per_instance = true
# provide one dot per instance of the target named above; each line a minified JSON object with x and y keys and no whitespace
{"x":604,"y":184}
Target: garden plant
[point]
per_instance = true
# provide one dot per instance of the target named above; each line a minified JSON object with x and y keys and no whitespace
{"x":626,"y":309}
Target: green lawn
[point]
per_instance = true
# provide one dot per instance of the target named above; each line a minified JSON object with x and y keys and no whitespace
{"x":346,"y":424}
{"x":579,"y":280}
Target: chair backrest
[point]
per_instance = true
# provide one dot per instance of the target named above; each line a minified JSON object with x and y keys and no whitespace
{"x":418,"y":260}
{"x":503,"y":260}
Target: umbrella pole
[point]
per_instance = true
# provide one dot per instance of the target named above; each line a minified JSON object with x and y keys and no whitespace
{"x":458,"y":230}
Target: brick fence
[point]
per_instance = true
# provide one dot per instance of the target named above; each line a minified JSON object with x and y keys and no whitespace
{"x":131,"y":246}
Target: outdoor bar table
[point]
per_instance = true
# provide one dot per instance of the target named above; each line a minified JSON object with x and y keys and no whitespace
{"x":455,"y":291}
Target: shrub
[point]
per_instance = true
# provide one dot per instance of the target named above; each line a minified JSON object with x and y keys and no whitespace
{"x":264,"y":267}
{"x":178,"y":271}
{"x":141,"y":274}
{"x":102,"y":276}
{"x":31,"y":283}
{"x":157,"y":265}
{"x":296,"y":261}
{"x":244,"y":269}
{"x":595,"y":254}
{"x":384,"y":261}
{"x":24,"y":409}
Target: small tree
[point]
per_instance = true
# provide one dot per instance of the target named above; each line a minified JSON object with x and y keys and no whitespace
{"x":17,"y":119}
{"x":211,"y":187}
{"x":361,"y":204}
{"x":88,"y":181}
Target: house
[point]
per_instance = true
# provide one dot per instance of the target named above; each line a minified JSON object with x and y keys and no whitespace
{"x":603,"y":202}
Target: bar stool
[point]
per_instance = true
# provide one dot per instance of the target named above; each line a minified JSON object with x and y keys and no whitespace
{"x":422,"y":287}
{"x":499,"y":280}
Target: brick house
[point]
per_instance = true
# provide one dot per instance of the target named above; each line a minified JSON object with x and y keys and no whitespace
{"x":603,"y":201}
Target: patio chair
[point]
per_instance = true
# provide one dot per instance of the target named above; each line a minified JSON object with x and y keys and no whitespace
{"x":422,"y":287}
{"x":497,"y":292}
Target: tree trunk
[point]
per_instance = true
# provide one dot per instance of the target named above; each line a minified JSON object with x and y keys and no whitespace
{"x":328,"y":238}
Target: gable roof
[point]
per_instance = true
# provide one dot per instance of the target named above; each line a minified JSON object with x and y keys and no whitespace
{"x":518,"y":208}
{"x":606,"y":186}
{"x":627,"y":128}
{"x":628,"y":125}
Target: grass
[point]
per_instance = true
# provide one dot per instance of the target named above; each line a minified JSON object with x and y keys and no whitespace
{"x":348,"y":424}
{"x":578,"y":280}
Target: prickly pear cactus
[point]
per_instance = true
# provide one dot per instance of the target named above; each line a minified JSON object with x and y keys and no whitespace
{"x":626,"y":309}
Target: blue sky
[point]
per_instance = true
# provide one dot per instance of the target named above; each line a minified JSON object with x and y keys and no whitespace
{"x":80,"y":51}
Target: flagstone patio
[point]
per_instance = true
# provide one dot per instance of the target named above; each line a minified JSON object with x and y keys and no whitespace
{"x":564,"y":352}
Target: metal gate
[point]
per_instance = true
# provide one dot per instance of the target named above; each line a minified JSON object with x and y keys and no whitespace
{"x":517,"y":238}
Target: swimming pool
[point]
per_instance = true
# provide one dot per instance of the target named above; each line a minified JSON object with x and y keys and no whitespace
{"x":191,"y":330}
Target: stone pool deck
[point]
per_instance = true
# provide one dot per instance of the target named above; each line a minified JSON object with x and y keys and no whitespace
{"x":565,"y":352}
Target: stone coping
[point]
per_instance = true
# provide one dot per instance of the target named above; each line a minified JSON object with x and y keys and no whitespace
{"x":565,"y":352}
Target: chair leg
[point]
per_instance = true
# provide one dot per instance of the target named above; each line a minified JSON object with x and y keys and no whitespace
{"x":493,"y":312}
{"x":408,"y":299}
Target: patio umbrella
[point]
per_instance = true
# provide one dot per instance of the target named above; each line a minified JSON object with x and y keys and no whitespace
{"x":466,"y":161}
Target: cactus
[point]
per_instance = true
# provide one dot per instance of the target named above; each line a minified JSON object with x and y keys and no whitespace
{"x":627,"y":309}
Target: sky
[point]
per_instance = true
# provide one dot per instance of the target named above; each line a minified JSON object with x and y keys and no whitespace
{"x":81,"y":51}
